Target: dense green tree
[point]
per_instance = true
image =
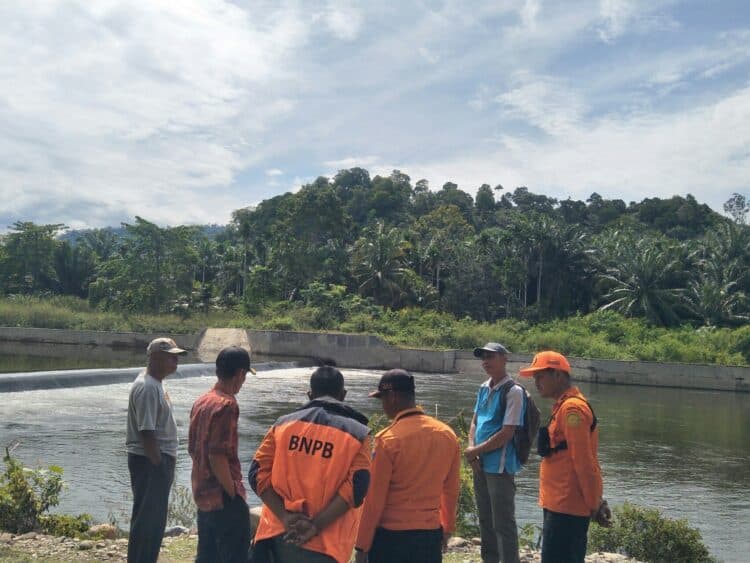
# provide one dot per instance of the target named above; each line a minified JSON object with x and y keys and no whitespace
{"x":29,"y":257}
{"x":153,"y":271}
{"x":378,"y":264}
{"x":737,"y":207}
{"x":639,"y":282}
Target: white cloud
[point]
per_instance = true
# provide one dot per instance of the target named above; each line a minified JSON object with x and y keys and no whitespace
{"x":544,"y":102}
{"x":630,"y":158}
{"x":619,"y":17}
{"x":351,"y":162}
{"x":428,"y":55}
{"x":272,"y":172}
{"x":137,"y":100}
{"x":342,"y":19}
{"x":529,"y":12}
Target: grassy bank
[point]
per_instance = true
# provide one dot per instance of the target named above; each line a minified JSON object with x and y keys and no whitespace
{"x":605,"y":335}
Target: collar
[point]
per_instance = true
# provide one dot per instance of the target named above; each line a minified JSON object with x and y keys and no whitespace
{"x":573,"y":391}
{"x":335,"y":406}
{"x":499,"y":384}
{"x":407,"y":412}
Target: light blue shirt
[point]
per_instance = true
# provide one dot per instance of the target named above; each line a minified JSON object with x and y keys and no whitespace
{"x":490,"y":421}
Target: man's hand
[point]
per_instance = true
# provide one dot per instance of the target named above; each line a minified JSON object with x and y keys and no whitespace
{"x":360,"y":557}
{"x":471,"y":453}
{"x":472,"y":456}
{"x":300,"y":529}
{"x":603,"y":515}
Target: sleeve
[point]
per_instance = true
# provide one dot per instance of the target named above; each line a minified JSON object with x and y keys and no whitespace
{"x":259,"y":475}
{"x":514,"y":407}
{"x":578,"y":434}
{"x":351,"y":489}
{"x":146,"y":401}
{"x":220,"y":429}
{"x":382,"y":468}
{"x":451,"y":489}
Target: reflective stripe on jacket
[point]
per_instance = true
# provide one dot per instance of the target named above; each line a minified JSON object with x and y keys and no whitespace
{"x":415,"y":477}
{"x":308,"y":457}
{"x":570,"y":480}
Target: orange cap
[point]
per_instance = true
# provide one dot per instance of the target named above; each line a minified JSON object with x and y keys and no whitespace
{"x":546,"y":360}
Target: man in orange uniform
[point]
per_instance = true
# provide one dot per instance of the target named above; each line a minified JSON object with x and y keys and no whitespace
{"x":312,"y":472}
{"x":410,"y":511}
{"x":570,"y":480}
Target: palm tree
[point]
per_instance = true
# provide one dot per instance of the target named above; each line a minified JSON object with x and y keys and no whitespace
{"x":378,"y":263}
{"x":641,"y":282}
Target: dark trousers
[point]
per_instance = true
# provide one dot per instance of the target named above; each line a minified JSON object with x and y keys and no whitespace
{"x":284,"y":552}
{"x":495,"y":494}
{"x":224,"y":534}
{"x":406,"y":546}
{"x":564,"y":537}
{"x":151,"y":485}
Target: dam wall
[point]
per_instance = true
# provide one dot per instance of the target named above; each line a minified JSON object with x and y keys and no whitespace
{"x":371,"y":352}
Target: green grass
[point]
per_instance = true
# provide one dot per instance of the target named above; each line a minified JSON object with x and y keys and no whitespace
{"x":603,"y":335}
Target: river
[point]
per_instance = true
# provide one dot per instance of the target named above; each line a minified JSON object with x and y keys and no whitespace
{"x":684,"y":452}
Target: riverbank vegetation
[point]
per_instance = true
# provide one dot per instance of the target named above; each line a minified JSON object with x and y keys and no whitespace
{"x":420,"y":267}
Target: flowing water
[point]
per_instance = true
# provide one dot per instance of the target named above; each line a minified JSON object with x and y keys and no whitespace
{"x":684,"y":452}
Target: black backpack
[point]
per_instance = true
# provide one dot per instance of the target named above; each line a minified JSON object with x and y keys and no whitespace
{"x":523,"y":438}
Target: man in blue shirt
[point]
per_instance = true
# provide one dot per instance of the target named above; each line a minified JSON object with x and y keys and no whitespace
{"x":493,"y":457}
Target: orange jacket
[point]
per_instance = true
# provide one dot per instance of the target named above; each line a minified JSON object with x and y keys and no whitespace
{"x":570,"y":480}
{"x":308,"y":457}
{"x":415,"y":477}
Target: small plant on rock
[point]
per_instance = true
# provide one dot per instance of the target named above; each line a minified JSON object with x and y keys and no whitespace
{"x":646,"y":535}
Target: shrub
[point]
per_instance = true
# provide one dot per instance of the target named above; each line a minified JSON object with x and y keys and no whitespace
{"x":181,"y":510}
{"x":26,"y":494}
{"x":646,"y":535}
{"x":65,"y":525}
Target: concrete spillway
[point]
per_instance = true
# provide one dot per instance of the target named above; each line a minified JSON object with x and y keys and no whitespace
{"x":30,"y":381}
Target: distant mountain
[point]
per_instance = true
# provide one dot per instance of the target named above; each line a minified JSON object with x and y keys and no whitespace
{"x":73,"y":236}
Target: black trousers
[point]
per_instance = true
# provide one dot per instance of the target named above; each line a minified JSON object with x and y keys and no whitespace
{"x":151,"y":485}
{"x":406,"y":546}
{"x":224,"y":534}
{"x":564,"y":537}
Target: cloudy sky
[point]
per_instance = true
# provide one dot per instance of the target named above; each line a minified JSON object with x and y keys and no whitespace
{"x":182,"y":111}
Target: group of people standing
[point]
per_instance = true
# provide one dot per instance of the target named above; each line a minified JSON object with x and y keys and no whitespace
{"x":329,"y":488}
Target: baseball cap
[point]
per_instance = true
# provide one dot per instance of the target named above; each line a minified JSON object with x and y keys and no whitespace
{"x":546,"y":360}
{"x":164,"y":345}
{"x":394,"y":380}
{"x":232,"y":358}
{"x":491,"y":347}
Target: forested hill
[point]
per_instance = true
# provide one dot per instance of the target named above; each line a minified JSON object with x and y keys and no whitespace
{"x":390,"y":242}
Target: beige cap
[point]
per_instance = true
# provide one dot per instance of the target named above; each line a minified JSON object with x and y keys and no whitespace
{"x":164,"y":345}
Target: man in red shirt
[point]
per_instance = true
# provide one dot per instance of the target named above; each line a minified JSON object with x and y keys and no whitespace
{"x":223,"y":516}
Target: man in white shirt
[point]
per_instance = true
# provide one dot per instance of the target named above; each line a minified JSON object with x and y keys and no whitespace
{"x":152,"y":448}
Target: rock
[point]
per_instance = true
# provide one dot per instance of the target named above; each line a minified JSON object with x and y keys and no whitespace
{"x":456,"y":541}
{"x":174,"y":531}
{"x":86,"y":544}
{"x":476,"y":541}
{"x":27,"y":536}
{"x":6,"y":537}
{"x":106,"y":531}
{"x":122,"y":541}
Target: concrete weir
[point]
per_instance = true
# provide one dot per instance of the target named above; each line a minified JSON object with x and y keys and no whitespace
{"x":370,"y":352}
